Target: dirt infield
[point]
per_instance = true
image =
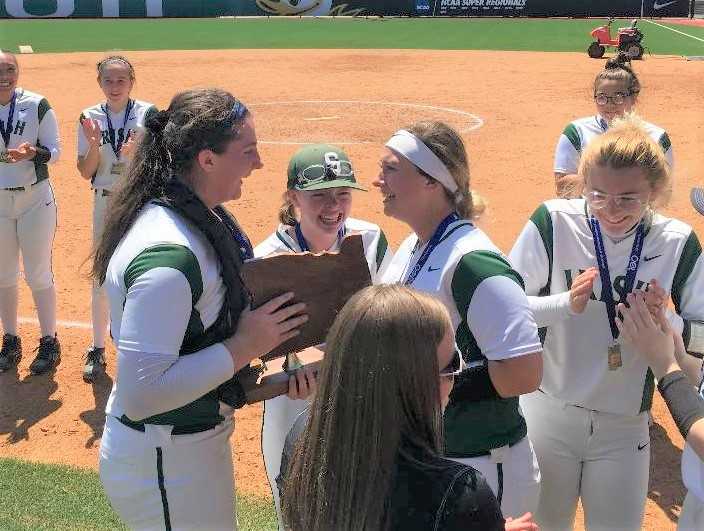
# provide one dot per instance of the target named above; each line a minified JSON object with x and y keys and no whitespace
{"x":511,"y":106}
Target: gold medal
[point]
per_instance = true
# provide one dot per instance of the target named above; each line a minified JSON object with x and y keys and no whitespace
{"x":614,"y":357}
{"x":4,"y":156}
{"x":117,"y":168}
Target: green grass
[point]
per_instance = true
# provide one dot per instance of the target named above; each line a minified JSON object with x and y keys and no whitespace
{"x":453,"y":34}
{"x":39,"y":497}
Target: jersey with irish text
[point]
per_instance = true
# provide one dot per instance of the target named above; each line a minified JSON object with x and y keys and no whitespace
{"x":554,"y":247}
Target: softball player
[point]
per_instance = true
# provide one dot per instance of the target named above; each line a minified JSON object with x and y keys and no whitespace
{"x":106,"y":138}
{"x":616,"y":90}
{"x":681,"y":384}
{"x":579,"y":258}
{"x":30,"y":141}
{"x":314,"y":218}
{"x":169,"y":258}
{"x":424,"y":179}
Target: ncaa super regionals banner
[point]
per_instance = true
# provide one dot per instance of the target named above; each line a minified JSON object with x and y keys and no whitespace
{"x":214,"y":8}
{"x":556,"y":8}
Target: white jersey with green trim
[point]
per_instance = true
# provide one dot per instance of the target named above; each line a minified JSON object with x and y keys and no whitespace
{"x":109,"y":167}
{"x":33,"y":121}
{"x":376,"y":247}
{"x":579,"y":133}
{"x":164,"y":284}
{"x":551,"y":251}
{"x":499,"y":334}
{"x":491,"y":319}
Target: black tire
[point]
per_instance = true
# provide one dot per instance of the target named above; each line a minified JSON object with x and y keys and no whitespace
{"x":596,"y":50}
{"x":635,"y":51}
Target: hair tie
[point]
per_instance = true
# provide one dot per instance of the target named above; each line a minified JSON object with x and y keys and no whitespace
{"x":156,"y":122}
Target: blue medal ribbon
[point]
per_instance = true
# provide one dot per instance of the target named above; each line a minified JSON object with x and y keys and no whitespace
{"x":602,"y":261}
{"x":432,"y":244}
{"x":303,"y":244}
{"x":116,"y":143}
{"x":6,"y":130}
{"x":246,"y":249}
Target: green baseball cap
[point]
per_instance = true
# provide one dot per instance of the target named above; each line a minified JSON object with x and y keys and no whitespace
{"x":319,"y":167}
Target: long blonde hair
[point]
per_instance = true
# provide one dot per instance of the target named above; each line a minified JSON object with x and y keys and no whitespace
{"x":627,"y":144}
{"x":378,"y":395}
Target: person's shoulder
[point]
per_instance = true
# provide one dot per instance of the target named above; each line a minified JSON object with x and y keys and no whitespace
{"x":142,"y":108}
{"x":25,"y":96}
{"x":670,"y":227}
{"x":360,"y":225}
{"x":276,"y":242}
{"x":93,"y":111}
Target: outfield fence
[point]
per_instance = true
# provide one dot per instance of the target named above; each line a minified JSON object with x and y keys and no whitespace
{"x":444,"y":8}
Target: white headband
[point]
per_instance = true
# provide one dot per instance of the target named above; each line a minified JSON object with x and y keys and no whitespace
{"x":412,"y":148}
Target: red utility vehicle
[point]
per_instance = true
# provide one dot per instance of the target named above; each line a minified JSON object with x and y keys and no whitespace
{"x":627,"y":40}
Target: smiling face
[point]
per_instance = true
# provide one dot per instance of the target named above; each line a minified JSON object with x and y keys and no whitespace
{"x":227,"y":169}
{"x":322,"y":211}
{"x":9,"y":74}
{"x":116,"y":82}
{"x":402,"y":186}
{"x":612,"y":88}
{"x":630,"y":183}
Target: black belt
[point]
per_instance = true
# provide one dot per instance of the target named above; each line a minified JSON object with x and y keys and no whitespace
{"x":177,"y":430}
{"x":19,"y":188}
{"x":103,"y":192}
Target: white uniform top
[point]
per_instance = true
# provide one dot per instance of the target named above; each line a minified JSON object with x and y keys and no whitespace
{"x":106,"y":174}
{"x":376,"y":247}
{"x":580,"y":132}
{"x":34,"y":121}
{"x":163,"y":282}
{"x":490,"y":316}
{"x":692,"y":466}
{"x":553,"y":248}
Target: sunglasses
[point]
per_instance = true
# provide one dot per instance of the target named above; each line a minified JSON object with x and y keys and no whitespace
{"x":330,"y":171}
{"x":455,"y":367}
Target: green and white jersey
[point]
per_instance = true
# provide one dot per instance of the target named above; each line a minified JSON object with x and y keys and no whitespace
{"x":579,"y":133}
{"x":376,"y":247}
{"x":491,"y":318}
{"x":109,"y":167}
{"x":554,"y":247}
{"x":165,"y":289}
{"x":33,"y":121}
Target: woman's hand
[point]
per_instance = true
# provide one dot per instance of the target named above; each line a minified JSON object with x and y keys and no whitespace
{"x":655,"y":298}
{"x":129,"y":146}
{"x":302,"y":384}
{"x":651,"y":339}
{"x":91,"y":129}
{"x":522,"y":523}
{"x":25,"y":151}
{"x":262,"y":330}
{"x":582,"y":289}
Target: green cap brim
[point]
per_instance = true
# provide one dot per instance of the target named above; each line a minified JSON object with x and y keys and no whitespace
{"x":325,"y":185}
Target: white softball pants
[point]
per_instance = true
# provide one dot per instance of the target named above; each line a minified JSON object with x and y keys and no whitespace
{"x":520,"y":484}
{"x":603,"y":458}
{"x":100,"y":307}
{"x":158,"y":481}
{"x":27,"y":225}
{"x":279,"y":415}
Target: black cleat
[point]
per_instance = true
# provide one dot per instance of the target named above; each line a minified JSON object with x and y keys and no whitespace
{"x":11,"y":352}
{"x":48,"y":355}
{"x":95,"y":364}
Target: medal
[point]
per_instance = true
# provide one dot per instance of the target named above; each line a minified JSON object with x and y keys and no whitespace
{"x":4,"y":156}
{"x":117,"y":168}
{"x":613,"y":356}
